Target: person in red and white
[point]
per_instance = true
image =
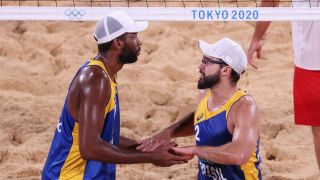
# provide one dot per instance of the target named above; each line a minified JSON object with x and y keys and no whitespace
{"x":306,"y":83}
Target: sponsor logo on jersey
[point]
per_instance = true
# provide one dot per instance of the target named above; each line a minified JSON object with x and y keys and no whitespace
{"x":200,"y":116}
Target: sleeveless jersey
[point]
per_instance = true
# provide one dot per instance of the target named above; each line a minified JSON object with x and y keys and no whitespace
{"x":64,"y":160}
{"x":211,"y":130}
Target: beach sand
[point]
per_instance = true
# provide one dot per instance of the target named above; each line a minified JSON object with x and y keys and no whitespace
{"x":39,"y":59}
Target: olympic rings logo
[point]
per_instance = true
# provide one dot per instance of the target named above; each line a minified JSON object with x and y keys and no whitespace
{"x":74,"y":13}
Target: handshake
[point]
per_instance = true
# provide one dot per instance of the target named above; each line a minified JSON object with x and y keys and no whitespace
{"x":163,"y":151}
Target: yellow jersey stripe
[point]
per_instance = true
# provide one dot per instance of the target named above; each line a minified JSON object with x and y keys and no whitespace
{"x":111,"y":104}
{"x":234,"y":99}
{"x":100,"y":64}
{"x":74,"y":165}
{"x":249,"y":169}
{"x":226,"y":107}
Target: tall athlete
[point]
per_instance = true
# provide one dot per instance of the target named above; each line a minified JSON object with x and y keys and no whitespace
{"x":226,"y":121}
{"x":87,"y":142}
{"x":306,"y":78}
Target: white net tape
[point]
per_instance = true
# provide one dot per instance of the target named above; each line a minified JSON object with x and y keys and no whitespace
{"x":73,"y":12}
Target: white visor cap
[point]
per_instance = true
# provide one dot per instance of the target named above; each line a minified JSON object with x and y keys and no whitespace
{"x":227,"y":50}
{"x":116,"y":24}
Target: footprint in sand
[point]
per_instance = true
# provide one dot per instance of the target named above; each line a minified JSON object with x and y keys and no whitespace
{"x":151,"y":48}
{"x":168,"y":113}
{"x":3,"y":156}
{"x":159,"y":97}
{"x":16,"y":139}
{"x":35,"y":156}
{"x":29,"y":172}
{"x":272,"y":130}
{"x":55,"y":27}
{"x":157,"y":32}
{"x":56,"y":50}
{"x":20,"y":28}
{"x":174,"y":73}
{"x":275,"y":153}
{"x":58,"y":65}
{"x":184,"y":42}
{"x":3,"y":52}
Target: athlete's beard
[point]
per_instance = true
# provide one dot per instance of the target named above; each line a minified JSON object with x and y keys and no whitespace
{"x":209,"y":81}
{"x":128,"y":56}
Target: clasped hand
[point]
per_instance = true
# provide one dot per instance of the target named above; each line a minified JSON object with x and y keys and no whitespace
{"x":162,"y":149}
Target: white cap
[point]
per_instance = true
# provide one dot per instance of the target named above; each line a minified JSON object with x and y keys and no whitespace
{"x":115,"y":24}
{"x":227,"y":50}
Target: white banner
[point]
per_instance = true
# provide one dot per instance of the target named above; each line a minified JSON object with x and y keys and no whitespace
{"x":162,"y":13}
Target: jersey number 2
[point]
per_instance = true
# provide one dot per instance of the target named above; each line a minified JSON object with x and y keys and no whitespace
{"x":197,"y":130}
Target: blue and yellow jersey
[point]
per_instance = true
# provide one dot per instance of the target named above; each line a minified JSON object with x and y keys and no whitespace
{"x":211,"y":130}
{"x":64,"y":160}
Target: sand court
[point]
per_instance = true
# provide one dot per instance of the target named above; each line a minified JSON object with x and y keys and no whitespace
{"x":39,"y":59}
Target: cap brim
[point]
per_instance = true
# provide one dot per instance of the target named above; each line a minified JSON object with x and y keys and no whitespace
{"x":206,"y":49}
{"x":138,"y":27}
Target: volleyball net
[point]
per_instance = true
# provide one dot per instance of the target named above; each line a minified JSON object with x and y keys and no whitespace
{"x":159,"y":10}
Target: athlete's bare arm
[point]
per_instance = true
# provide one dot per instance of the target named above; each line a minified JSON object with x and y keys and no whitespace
{"x":244,"y":123}
{"x":260,"y":30}
{"x":94,"y":93}
{"x":126,"y":143}
{"x":182,"y":128}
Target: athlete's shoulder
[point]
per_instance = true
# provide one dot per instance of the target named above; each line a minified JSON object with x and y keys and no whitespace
{"x":246,"y":99}
{"x":93,"y":82}
{"x":245,"y":110}
{"x":92,"y":74}
{"x":245,"y":102}
{"x":242,"y":101}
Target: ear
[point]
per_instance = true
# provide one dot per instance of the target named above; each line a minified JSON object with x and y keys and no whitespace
{"x":226,"y":70}
{"x":117,"y":43}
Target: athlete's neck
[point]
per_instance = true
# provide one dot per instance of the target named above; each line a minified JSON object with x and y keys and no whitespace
{"x":111,"y":63}
{"x":222,"y":93}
